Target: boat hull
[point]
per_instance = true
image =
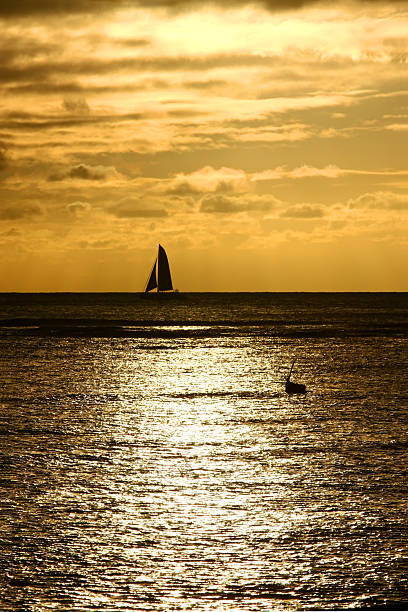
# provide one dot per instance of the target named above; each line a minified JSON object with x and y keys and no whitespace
{"x":161,"y":296}
{"x":292,"y":387}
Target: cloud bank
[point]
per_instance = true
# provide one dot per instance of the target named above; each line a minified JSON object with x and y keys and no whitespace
{"x":10,"y":8}
{"x":246,"y":126}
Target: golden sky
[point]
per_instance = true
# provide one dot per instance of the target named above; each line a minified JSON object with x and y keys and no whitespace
{"x":264,"y":144}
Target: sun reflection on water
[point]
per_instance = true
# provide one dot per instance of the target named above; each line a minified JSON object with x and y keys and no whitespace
{"x":176,"y":473}
{"x":195,"y":470}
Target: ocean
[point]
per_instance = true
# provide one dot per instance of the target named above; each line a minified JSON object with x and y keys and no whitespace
{"x":151,"y":459}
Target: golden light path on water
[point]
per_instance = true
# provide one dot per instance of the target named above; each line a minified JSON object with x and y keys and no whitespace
{"x":173,"y":472}
{"x":204,"y":499}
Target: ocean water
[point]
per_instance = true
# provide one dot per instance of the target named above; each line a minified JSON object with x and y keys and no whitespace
{"x":152,"y":460}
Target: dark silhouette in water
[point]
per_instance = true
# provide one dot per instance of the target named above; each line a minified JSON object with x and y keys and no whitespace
{"x":292,"y":387}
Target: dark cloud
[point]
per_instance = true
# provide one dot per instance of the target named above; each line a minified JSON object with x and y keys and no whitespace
{"x":225,"y":187}
{"x":12,"y":233}
{"x":185,"y":112}
{"x":133,"y":43}
{"x":87,"y":173}
{"x":16,"y":8}
{"x":45,"y":87}
{"x":78,"y":208}
{"x":76,"y":105}
{"x":182,"y":189}
{"x":84,"y":172}
{"x":29,"y":64}
{"x":16,"y":48}
{"x":135,"y":208}
{"x":3,"y":158}
{"x":204,"y":85}
{"x":30,"y":121}
{"x":20,"y":70}
{"x":303,"y":211}
{"x":95,"y":244}
{"x":19,"y":211}
{"x":218,"y":203}
{"x":74,"y":89}
{"x":37,"y":68}
{"x":381,"y":200}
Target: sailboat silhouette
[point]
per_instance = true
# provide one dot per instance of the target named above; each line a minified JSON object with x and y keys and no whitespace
{"x":292,"y":387}
{"x":160,"y":277}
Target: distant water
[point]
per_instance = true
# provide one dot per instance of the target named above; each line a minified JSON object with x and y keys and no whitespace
{"x":152,"y":461}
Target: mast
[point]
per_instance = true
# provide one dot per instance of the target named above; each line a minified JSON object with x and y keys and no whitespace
{"x":291,"y":368}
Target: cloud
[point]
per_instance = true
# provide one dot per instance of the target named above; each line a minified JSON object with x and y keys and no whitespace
{"x":280,"y":172}
{"x":219,"y":203}
{"x":27,"y":121}
{"x":182,"y":189}
{"x":31,"y":7}
{"x":3,"y":157}
{"x":133,"y":43}
{"x":398,"y":127}
{"x":207,"y":84}
{"x":24,"y":121}
{"x":78,"y":209}
{"x":96,"y":244}
{"x":329,"y":172}
{"x":86,"y":173}
{"x":308,"y":171}
{"x":18,"y":69}
{"x":89,"y":173}
{"x":23,"y":8}
{"x":385,"y":200}
{"x":19,"y":211}
{"x":12,"y":233}
{"x":76,"y":105}
{"x":135,"y":208}
{"x":303,"y":211}
{"x":215,"y":179}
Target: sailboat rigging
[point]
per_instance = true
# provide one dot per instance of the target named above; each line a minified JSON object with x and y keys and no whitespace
{"x":160,"y":277}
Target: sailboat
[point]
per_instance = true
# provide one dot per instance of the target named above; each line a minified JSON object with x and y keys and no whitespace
{"x":292,"y":387}
{"x":160,"y":277}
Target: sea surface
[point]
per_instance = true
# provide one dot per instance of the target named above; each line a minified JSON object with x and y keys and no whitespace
{"x":151,"y":459}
